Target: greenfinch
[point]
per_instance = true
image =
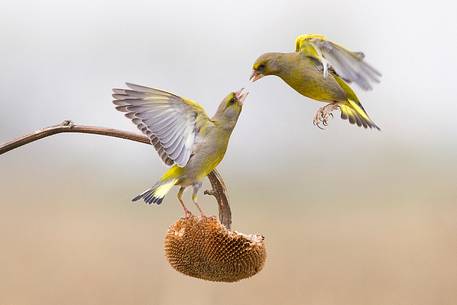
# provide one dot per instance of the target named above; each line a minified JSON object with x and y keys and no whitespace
{"x":321,"y":70}
{"x":184,"y":136}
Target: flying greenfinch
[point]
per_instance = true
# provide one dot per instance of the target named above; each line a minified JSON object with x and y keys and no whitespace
{"x":184,"y":136}
{"x":321,"y":70}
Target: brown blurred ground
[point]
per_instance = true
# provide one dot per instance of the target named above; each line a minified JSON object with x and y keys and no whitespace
{"x":384,"y":239}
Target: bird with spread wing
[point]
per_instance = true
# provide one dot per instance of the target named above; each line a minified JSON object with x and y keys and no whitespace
{"x":321,"y":70}
{"x":184,"y":136}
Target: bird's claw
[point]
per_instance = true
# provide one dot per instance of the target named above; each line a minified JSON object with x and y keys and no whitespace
{"x":317,"y":123}
{"x":319,"y":119}
{"x":323,"y":115}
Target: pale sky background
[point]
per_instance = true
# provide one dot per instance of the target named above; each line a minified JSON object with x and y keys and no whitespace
{"x":60,"y":59}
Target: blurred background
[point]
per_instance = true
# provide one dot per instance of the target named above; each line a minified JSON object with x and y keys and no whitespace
{"x":350,"y":216}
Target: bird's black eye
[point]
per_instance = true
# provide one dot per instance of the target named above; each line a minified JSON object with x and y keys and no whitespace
{"x":232,"y":101}
{"x":261,"y":67}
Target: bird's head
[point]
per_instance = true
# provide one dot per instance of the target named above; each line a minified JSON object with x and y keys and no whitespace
{"x":230,"y":108}
{"x":266,"y":64}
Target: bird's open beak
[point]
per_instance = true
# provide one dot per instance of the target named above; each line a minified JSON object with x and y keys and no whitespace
{"x":241,"y":95}
{"x":255,"y":76}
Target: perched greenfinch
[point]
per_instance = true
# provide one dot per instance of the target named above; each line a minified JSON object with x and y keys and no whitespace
{"x":184,"y":136}
{"x":321,"y":70}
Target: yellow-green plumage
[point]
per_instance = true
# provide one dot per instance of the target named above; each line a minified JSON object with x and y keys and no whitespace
{"x":302,"y":44}
{"x":209,"y":155}
{"x":182,"y":133}
{"x":309,"y":73}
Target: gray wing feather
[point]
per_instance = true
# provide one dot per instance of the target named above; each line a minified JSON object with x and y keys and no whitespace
{"x":349,"y":65}
{"x":168,"y":121}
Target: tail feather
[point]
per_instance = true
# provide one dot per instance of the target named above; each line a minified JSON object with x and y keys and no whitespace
{"x":355,"y":113}
{"x":157,"y":192}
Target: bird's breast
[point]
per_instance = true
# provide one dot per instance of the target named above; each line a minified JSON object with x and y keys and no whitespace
{"x":306,"y":78}
{"x":208,"y":153}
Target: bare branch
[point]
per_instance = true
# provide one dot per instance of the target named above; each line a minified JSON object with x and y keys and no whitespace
{"x":219,"y":191}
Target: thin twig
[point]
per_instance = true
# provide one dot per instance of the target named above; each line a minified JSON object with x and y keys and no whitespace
{"x":219,"y":191}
